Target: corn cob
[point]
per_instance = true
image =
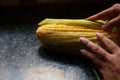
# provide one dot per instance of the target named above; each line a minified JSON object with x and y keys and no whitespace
{"x":63,"y":34}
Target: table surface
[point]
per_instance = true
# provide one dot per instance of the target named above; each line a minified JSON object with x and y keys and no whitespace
{"x":22,"y":58}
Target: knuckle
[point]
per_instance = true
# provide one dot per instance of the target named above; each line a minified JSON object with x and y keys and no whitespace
{"x":96,"y":48}
{"x":115,"y":49}
{"x":107,"y":42}
{"x":115,"y":7}
{"x":105,"y":58}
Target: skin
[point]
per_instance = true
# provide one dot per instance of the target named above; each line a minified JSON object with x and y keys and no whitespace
{"x":111,"y":15}
{"x":108,"y":63}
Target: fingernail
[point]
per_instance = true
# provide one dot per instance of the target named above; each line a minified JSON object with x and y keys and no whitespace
{"x":82,"y":50}
{"x":82,"y":39}
{"x":99,"y":35}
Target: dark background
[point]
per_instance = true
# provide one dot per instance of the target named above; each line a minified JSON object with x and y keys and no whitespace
{"x":33,"y":11}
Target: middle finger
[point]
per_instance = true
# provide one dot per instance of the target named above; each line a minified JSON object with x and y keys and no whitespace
{"x":95,"y":48}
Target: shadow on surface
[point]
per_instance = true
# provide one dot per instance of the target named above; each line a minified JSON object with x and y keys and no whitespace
{"x":62,"y":57}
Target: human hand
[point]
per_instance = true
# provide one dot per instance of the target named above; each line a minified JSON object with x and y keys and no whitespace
{"x":112,"y":15}
{"x":107,"y":63}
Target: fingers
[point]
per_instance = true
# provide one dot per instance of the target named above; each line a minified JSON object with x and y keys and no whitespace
{"x":108,"y":43}
{"x":112,"y":15}
{"x":95,"y":48}
{"x":106,"y":14}
{"x":112,"y":23}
